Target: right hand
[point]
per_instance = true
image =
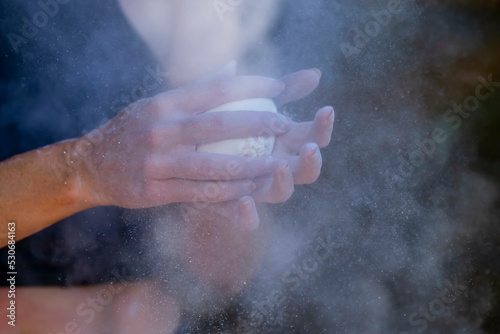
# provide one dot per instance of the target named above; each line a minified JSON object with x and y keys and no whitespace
{"x":147,"y":156}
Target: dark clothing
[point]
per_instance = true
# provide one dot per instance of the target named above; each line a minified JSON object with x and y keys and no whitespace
{"x":63,"y":67}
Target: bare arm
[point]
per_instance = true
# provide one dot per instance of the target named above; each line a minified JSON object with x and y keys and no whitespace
{"x":38,"y":189}
{"x":143,"y":157}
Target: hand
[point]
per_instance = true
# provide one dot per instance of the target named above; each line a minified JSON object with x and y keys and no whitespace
{"x":299,"y":147}
{"x":223,"y":245}
{"x":146,"y":156}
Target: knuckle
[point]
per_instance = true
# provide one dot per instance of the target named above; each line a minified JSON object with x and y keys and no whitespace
{"x":211,"y":192}
{"x":185,"y":127}
{"x":222,"y":195}
{"x":217,"y":122}
{"x":205,"y":169}
{"x":137,"y":107}
{"x":167,"y":102}
{"x":171,"y":131}
{"x":153,"y":137}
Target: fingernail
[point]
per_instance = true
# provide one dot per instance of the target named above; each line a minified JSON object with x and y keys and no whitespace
{"x":245,"y":211}
{"x":244,"y":206}
{"x":318,"y":72}
{"x":252,"y":186}
{"x":315,"y":155}
{"x":246,"y":203}
{"x":330,"y":114}
{"x":282,"y":166}
{"x":312,"y":151}
{"x":281,"y":125}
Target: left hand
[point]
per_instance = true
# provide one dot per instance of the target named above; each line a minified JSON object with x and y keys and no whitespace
{"x":223,"y":242}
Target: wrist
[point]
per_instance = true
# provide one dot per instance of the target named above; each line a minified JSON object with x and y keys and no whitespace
{"x":77,"y":174}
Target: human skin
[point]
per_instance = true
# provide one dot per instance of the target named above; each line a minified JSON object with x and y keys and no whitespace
{"x":138,"y":307}
{"x":147,"y":157}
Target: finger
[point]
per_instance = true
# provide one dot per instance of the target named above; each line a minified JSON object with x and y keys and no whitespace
{"x":203,"y":96}
{"x":213,"y":127}
{"x":181,"y":190}
{"x":210,"y":166}
{"x":318,"y":131}
{"x":298,"y":85}
{"x":248,"y":217}
{"x":225,"y":71}
{"x":276,"y":189}
{"x":306,"y":168}
{"x":210,"y":127}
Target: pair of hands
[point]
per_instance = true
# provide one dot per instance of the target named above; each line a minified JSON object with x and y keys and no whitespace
{"x":148,"y":156}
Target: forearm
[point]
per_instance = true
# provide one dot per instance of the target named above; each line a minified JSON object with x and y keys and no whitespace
{"x":39,"y":188}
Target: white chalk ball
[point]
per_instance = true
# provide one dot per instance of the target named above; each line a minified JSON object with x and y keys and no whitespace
{"x":247,"y":147}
